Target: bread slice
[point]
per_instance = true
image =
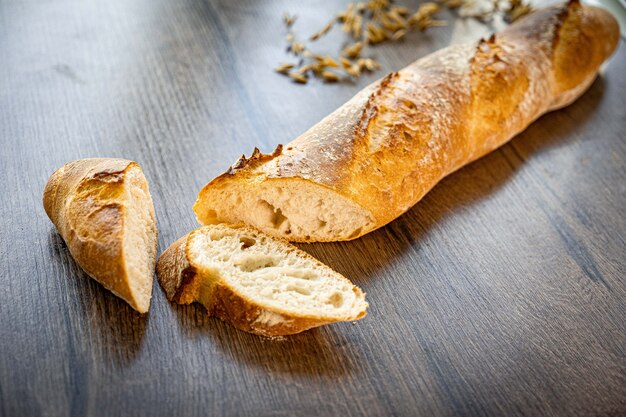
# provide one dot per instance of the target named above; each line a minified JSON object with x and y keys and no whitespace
{"x":257,"y":283}
{"x":103,"y":210}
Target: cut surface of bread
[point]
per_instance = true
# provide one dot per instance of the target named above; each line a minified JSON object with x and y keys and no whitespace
{"x":376,"y":156}
{"x":257,"y":283}
{"x":303,"y":209}
{"x":103,"y":210}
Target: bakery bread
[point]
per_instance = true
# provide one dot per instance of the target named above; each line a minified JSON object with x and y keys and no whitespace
{"x":103,"y":210}
{"x":377,"y":155}
{"x":257,"y":283}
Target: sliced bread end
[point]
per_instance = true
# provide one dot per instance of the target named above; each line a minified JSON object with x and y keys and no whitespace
{"x":257,"y":283}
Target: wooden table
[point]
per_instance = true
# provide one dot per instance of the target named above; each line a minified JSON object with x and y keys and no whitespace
{"x":503,"y":292}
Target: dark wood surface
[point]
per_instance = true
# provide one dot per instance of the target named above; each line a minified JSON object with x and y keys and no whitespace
{"x":502,"y":293}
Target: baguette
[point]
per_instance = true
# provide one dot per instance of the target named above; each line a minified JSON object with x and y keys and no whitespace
{"x":381,"y":152}
{"x":103,"y":210}
{"x":256,"y":283}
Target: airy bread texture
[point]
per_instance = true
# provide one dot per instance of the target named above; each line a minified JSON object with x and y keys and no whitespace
{"x":257,"y":283}
{"x":103,"y":210}
{"x":381,"y":152}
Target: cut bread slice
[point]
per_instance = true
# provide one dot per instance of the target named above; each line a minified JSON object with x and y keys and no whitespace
{"x":257,"y":283}
{"x":103,"y":210}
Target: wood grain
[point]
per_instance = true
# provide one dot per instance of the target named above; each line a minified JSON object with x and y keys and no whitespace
{"x":502,"y":293}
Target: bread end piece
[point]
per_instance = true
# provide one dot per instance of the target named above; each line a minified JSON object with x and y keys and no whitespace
{"x":256,"y":283}
{"x":103,"y":210}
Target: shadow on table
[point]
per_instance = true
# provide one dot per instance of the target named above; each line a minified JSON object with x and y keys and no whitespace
{"x":362,"y":258}
{"x":319,"y":352}
{"x":96,"y":316}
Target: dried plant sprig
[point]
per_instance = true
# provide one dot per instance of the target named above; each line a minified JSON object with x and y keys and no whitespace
{"x":401,"y":10}
{"x":353,"y":70}
{"x":284,"y":68}
{"x":323,"y":31}
{"x":348,"y":17}
{"x":299,"y":78}
{"x":398,"y":35}
{"x":289,"y":20}
{"x":368,"y":64}
{"x":304,"y":69}
{"x":326,"y":61}
{"x":375,"y":34}
{"x":330,"y":76}
{"x":423,"y":17}
{"x":357,"y":27}
{"x":297,"y":48}
{"x":352,"y":51}
{"x":397,"y":15}
{"x":375,"y":5}
{"x":350,"y":67}
{"x":394,"y":24}
{"x":452,"y":4}
{"x":374,"y":22}
{"x":516,"y":10}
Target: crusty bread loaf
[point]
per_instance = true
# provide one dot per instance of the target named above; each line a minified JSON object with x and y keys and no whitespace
{"x":256,"y":283}
{"x":103,"y":210}
{"x":378,"y":154}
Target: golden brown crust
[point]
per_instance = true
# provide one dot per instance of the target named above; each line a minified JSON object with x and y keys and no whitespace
{"x":177,"y":276}
{"x":390,"y":144}
{"x":84,"y":200}
{"x":184,"y":282}
{"x":249,"y":317}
